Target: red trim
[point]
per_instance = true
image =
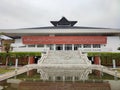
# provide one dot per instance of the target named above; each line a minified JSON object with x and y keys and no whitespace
{"x":64,"y":39}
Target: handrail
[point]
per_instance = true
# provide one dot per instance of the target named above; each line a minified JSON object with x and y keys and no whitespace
{"x":84,"y":56}
{"x":43,"y":57}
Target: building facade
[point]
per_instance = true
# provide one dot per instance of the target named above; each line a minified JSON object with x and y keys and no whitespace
{"x":64,"y":35}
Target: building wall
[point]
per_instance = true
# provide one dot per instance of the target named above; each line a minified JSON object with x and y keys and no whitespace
{"x":18,"y":40}
{"x":113,"y":42}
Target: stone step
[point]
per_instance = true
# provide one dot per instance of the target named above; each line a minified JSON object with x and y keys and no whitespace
{"x":67,"y":57}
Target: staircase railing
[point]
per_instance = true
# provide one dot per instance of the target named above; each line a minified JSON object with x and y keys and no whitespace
{"x":84,"y":57}
{"x":43,"y":57}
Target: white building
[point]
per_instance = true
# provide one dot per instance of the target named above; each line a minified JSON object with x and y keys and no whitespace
{"x":63,"y":35}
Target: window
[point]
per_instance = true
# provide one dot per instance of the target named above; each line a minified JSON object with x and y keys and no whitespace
{"x":50,"y":78}
{"x":40,"y":45}
{"x":58,"y":78}
{"x":76,"y":46}
{"x":68,"y":78}
{"x":31,"y":45}
{"x":76,"y":78}
{"x":68,"y":47}
{"x":87,"y":46}
{"x":59,"y":47}
{"x":96,"y":46}
{"x":22,"y":46}
{"x":50,"y":46}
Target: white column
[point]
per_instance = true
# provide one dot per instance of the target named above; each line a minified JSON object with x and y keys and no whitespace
{"x":114,"y":63}
{"x":45,"y":46}
{"x":93,"y":58}
{"x":26,"y":46}
{"x":16,"y":64}
{"x":92,"y":47}
{"x":53,"y":78}
{"x":63,"y":47}
{"x":73,"y":78}
{"x":35,"y":45}
{"x":72,"y":47}
{"x":63,"y":78}
{"x":54,"y":46}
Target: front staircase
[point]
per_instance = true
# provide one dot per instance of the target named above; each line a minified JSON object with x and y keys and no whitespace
{"x":64,"y":57}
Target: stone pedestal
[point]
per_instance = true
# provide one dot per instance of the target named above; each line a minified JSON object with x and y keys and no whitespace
{"x":31,"y":60}
{"x":97,"y":60}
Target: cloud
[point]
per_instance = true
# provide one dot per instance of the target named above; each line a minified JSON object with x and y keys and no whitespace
{"x":31,"y":13}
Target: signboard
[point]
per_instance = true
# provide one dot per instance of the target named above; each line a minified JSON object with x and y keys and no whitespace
{"x":64,"y":39}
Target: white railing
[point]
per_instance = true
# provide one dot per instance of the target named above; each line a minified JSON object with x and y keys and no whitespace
{"x":43,"y":57}
{"x":84,"y":57}
{"x":41,"y":60}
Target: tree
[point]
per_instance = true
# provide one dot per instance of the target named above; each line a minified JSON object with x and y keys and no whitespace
{"x":7,"y":49}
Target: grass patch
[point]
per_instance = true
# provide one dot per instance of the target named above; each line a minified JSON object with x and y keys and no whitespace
{"x":5,"y":70}
{"x":118,"y":70}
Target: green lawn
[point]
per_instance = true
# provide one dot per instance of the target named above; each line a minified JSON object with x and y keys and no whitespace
{"x":118,"y":70}
{"x":4,"y":70}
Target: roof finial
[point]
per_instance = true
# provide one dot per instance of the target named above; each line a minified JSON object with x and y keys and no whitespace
{"x":63,"y":22}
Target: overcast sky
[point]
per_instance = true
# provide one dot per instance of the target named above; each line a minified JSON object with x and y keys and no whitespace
{"x":39,"y":13}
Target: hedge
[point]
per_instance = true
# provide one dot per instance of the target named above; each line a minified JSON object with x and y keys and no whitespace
{"x":107,"y":57}
{"x":22,"y":56}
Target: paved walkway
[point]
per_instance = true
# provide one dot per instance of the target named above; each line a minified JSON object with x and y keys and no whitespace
{"x":36,"y":66}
